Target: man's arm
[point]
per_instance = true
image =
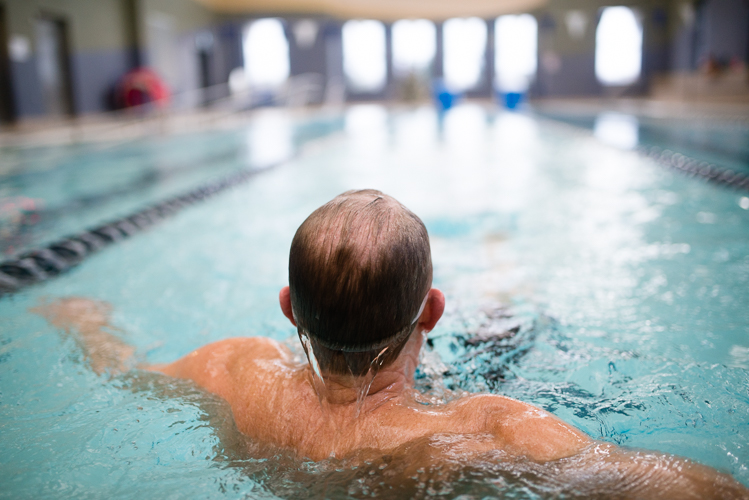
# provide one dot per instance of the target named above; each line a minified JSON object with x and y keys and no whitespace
{"x":623,"y":473}
{"x":88,"y":322}
{"x":215,"y":367}
{"x":600,"y":468}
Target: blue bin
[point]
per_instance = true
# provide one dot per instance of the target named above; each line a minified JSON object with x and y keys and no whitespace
{"x":512,"y":99}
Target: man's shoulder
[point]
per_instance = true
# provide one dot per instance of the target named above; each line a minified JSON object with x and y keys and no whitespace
{"x":246,"y":348}
{"x":521,"y":428}
{"x":472,"y":414}
{"x":491,"y":404}
{"x":221,"y":360}
{"x":251,"y":347}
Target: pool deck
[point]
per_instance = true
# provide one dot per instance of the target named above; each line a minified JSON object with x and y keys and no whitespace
{"x":724,"y":110}
{"x":124,"y":125}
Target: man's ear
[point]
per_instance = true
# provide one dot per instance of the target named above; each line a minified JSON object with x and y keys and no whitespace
{"x":285,"y":299}
{"x":433,"y":310}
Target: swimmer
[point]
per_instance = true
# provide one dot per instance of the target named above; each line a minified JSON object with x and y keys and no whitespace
{"x":360,"y":296}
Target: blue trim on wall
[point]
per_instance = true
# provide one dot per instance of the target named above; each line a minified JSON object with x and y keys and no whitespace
{"x":95,"y":74}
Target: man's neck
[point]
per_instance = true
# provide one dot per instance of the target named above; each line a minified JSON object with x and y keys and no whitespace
{"x":390,"y":382}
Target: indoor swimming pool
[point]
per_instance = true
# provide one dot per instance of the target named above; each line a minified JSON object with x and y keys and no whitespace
{"x":723,"y":141}
{"x":624,"y":287}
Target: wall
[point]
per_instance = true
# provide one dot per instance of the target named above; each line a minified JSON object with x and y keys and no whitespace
{"x":171,"y":32}
{"x":323,"y":57}
{"x":567,"y":58}
{"x":98,"y":45}
{"x":723,"y":30}
{"x":106,"y":38}
{"x":109,"y":37}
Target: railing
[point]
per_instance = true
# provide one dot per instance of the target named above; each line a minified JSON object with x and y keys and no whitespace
{"x":194,"y":108}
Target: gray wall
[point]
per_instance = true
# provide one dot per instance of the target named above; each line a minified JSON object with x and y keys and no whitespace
{"x":324,"y":57}
{"x":98,"y":44}
{"x":567,"y":62}
{"x":722,"y":30}
{"x":106,"y":38}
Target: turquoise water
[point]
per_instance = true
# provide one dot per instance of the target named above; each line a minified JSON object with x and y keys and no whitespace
{"x":627,"y":283}
{"x":724,"y":143}
{"x":50,"y":192}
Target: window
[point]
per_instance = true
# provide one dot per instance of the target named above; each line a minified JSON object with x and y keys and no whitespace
{"x":266,"y":53}
{"x":516,"y":44}
{"x":618,"y":47}
{"x":465,"y":46}
{"x":414,"y":45}
{"x":364,"y":55}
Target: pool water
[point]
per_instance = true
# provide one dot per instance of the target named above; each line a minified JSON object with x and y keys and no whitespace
{"x":627,"y":286}
{"x":723,"y":142}
{"x":50,"y":192}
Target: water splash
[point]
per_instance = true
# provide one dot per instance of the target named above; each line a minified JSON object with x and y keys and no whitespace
{"x":318,"y":382}
{"x":365,"y":382}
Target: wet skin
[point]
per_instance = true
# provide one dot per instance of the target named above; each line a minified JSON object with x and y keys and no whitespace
{"x":273,"y":400}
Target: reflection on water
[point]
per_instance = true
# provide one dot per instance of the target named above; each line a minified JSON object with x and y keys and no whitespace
{"x":616,"y":129}
{"x":271,"y":143}
{"x":368,"y":123}
{"x":724,"y":143}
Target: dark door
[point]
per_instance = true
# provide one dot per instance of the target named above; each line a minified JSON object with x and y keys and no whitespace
{"x":7,"y":109}
{"x":204,"y":65}
{"x":53,"y":65}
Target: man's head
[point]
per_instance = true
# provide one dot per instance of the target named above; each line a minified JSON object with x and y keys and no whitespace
{"x":360,"y":270}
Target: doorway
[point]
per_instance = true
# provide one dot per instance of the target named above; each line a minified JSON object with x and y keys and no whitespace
{"x":7,"y":108}
{"x":204,"y":68}
{"x":53,"y":65}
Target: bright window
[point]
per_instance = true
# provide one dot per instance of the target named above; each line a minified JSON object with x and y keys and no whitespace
{"x":516,"y":44}
{"x":266,"y":53}
{"x":414,"y":45}
{"x":364,"y":55}
{"x":618,"y":47}
{"x":465,"y":47}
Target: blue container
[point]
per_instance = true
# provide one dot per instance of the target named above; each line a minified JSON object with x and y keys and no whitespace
{"x":512,"y":99}
{"x":443,"y":97}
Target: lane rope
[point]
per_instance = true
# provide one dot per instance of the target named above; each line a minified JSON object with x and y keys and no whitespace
{"x":41,"y":264}
{"x":38,"y":265}
{"x":670,"y":159}
{"x":695,"y":168}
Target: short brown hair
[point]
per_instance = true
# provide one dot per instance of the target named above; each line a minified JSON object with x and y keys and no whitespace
{"x":359,"y":268}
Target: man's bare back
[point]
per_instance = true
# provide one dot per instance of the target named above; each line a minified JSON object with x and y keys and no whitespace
{"x":274,"y":401}
{"x":273,"y":398}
